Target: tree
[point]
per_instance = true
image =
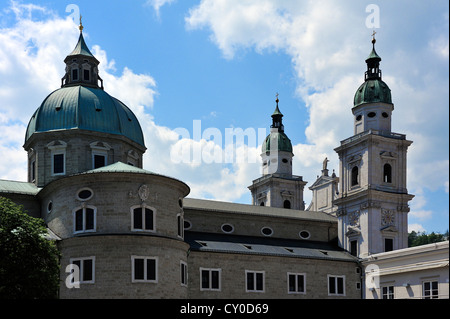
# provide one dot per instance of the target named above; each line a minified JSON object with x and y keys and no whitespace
{"x":29,"y":263}
{"x":422,"y":238}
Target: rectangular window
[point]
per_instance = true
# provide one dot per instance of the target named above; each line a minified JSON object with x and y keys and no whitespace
{"x":74,"y":74}
{"x":180,"y":223}
{"x":387,"y":292}
{"x":354,"y":248}
{"x":388,"y":244}
{"x":296,"y":283}
{"x":33,"y":171}
{"x":184,"y":273}
{"x":210,"y":279}
{"x":254,"y":281}
{"x":144,"y":269}
{"x":84,"y":219}
{"x":99,"y":161}
{"x":431,"y":289}
{"x":58,"y":164}
{"x":143,"y":219}
{"x":86,"y":75}
{"x":336,"y":285}
{"x":85,"y":270}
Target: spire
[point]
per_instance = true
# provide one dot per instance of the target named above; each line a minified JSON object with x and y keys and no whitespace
{"x":373,"y":63}
{"x":277,"y":116}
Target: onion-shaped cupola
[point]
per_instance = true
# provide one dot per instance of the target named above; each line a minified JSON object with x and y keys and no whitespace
{"x":277,"y":135}
{"x":373,"y":89}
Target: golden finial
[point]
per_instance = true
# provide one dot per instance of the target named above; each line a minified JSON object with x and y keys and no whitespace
{"x":373,"y":37}
{"x":81,"y":25}
{"x":277,"y":100}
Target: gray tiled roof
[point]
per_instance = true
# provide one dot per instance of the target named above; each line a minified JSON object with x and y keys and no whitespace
{"x":225,"y":243}
{"x":226,"y":207}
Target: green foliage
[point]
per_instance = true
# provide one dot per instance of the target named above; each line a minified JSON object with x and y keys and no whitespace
{"x":29,"y":263}
{"x":422,"y":238}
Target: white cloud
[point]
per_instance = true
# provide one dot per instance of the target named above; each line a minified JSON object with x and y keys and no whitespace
{"x":157,"y":4}
{"x":328,"y":42}
{"x":416,"y":227}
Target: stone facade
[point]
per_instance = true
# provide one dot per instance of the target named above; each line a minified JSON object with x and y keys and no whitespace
{"x":275,"y":269}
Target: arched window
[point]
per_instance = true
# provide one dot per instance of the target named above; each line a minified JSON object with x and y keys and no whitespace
{"x":261,"y":204}
{"x":287,"y":204}
{"x":355,"y":176}
{"x":387,"y":173}
{"x":142,"y":218}
{"x":85,"y":219}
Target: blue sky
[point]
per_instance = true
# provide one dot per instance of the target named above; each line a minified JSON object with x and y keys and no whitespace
{"x":222,"y":62}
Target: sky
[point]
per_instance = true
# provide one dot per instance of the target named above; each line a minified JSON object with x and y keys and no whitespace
{"x":196,"y":71}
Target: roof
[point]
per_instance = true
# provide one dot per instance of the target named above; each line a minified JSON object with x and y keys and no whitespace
{"x":81,"y":48}
{"x":282,"y":142}
{"x":15,"y":187}
{"x":250,"y":245}
{"x":234,"y":208}
{"x":86,"y":108}
{"x":373,"y":55}
{"x":372,"y":91}
{"x":120,"y":167}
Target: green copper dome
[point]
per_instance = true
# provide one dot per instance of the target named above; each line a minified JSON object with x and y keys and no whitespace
{"x":85,"y":108}
{"x":372,"y":91}
{"x":283,"y":142}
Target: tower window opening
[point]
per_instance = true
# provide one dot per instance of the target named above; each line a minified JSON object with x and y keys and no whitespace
{"x":74,"y":74}
{"x":86,"y":75}
{"x":355,"y":174}
{"x":387,"y":173}
{"x":287,"y":204}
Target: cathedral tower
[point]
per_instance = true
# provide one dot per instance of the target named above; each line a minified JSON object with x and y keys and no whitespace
{"x":278,"y":187}
{"x":373,"y":201}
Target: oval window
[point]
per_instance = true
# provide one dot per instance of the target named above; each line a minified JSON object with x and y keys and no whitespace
{"x":180,"y":202}
{"x":49,"y":207}
{"x":304,"y":234}
{"x":285,"y":160}
{"x":385,"y":115}
{"x":85,"y":194}
{"x":372,"y":114}
{"x":227,"y":228}
{"x":359,"y":117}
{"x":266,"y":231}
{"x":187,"y":225}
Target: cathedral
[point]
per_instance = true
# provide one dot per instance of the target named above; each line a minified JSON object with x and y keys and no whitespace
{"x":126,"y":232}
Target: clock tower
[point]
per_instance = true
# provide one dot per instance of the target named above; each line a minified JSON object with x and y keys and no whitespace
{"x":373,"y":200}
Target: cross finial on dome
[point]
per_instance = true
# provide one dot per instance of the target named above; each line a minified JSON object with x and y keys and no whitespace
{"x":81,"y":25}
{"x":373,"y":37}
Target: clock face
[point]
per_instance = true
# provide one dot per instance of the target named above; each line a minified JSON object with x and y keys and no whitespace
{"x":387,"y":217}
{"x":354,"y":218}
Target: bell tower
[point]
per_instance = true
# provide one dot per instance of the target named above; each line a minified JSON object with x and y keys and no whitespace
{"x":373,"y":201}
{"x":278,"y":187}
